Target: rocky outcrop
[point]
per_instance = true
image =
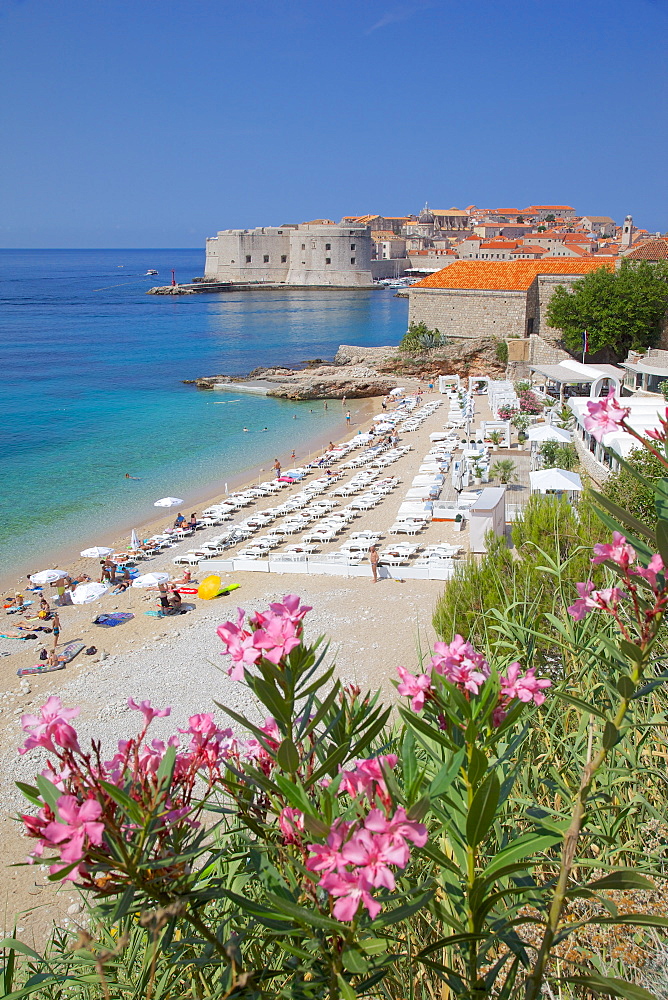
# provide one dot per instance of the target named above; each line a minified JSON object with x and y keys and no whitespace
{"x":170,"y":290}
{"x":360,"y":372}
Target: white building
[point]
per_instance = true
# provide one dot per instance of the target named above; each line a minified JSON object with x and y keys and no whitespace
{"x":314,"y":254}
{"x":645,"y":415}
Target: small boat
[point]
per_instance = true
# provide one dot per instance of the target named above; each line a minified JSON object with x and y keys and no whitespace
{"x":151,"y":272}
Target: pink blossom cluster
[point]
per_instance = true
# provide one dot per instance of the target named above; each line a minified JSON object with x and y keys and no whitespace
{"x":460,"y":664}
{"x":366,"y":778}
{"x":623,"y":555}
{"x":358,"y":857}
{"x":271,"y":634}
{"x":85,"y":812}
{"x":468,"y":670}
{"x":605,"y":415}
{"x":529,"y":402}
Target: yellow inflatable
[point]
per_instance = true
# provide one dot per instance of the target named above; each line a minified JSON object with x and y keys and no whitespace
{"x":213,"y":586}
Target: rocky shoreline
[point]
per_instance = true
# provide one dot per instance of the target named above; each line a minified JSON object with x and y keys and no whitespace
{"x":362,"y":372}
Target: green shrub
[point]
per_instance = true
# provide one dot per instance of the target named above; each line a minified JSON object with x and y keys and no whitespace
{"x":559,"y":456}
{"x":501,"y":351}
{"x":420,"y":338}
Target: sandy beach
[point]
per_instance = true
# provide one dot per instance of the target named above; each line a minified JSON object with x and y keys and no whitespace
{"x":176,"y":660}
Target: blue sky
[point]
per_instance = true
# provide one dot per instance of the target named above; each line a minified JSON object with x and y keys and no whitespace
{"x":157,"y":122}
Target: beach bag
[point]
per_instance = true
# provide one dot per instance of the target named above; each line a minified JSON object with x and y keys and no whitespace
{"x":91,"y":651}
{"x":43,"y":655}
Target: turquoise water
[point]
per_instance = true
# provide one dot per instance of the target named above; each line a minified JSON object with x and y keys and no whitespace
{"x":91,"y":387}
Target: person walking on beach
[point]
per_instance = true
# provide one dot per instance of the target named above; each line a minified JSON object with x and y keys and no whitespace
{"x":343,"y":402}
{"x":373,"y":559}
{"x":277,"y":467}
{"x":293,"y":455}
{"x":55,"y":622}
{"x":348,"y":417}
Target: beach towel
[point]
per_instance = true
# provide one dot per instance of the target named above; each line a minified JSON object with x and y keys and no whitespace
{"x":7,"y":635}
{"x":110,"y":621}
{"x":66,"y":655}
{"x":17,"y":610}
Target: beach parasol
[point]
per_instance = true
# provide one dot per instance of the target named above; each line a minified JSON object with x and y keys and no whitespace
{"x":150,"y":580}
{"x":96,"y":551}
{"x":86,"y":593}
{"x":49,"y":576}
{"x":168,"y":502}
{"x":134,"y":540}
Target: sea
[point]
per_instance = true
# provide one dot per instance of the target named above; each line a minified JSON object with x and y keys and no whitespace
{"x":91,"y":388}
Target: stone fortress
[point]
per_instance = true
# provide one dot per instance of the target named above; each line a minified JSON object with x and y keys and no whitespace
{"x":314,"y":254}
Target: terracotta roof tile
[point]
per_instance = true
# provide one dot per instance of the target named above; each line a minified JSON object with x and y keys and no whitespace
{"x":649,"y":250}
{"x":515,"y":275}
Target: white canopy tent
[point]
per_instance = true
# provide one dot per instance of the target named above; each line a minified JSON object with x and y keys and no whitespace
{"x":555,"y":481}
{"x":548,"y":432}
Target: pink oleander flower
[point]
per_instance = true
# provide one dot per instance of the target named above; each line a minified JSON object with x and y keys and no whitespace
{"x":79,"y":826}
{"x":593,"y":600}
{"x":399,"y":827}
{"x":276,"y":639}
{"x":350,"y":889}
{"x":619,"y":552}
{"x":239,"y":645}
{"x":605,"y":415}
{"x":291,"y":824}
{"x":417,"y":688}
{"x":525,"y":687}
{"x":148,"y":711}
{"x":649,"y":572}
{"x":373,"y":853}
{"x":460,"y":664}
{"x":289,"y":608}
{"x":51,"y":726}
{"x":584,"y":604}
{"x":328,"y":857}
{"x":367,"y":777}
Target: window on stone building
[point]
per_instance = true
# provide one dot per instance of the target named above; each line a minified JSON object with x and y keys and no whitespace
{"x":248,"y":258}
{"x":284,"y":258}
{"x":303,"y":246}
{"x":353,"y":246}
{"x":328,"y":260}
{"x":266,"y":258}
{"x":328,"y":246}
{"x":314,"y":245}
{"x":352,"y":260}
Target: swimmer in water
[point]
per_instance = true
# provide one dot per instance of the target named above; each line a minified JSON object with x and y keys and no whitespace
{"x":128,"y":476}
{"x":245,"y":430}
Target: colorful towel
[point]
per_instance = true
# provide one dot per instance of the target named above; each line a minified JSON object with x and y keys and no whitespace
{"x":116,"y":618}
{"x":6,"y":635}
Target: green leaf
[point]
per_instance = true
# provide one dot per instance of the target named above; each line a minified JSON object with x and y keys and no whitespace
{"x":166,"y":769}
{"x":373,"y":946}
{"x":611,"y":735}
{"x":30,"y":792}
{"x":522,"y":847}
{"x":446,"y":775}
{"x":583,"y":705}
{"x":347,"y":992}
{"x":622,"y":879}
{"x":123,"y":800}
{"x":483,"y":809}
{"x":48,"y":791}
{"x":16,"y":945}
{"x":625,"y":686}
{"x":309,"y":917}
{"x":612,"y":987}
{"x":288,"y":756}
{"x":354,"y":961}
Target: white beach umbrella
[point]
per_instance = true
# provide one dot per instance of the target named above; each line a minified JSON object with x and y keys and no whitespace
{"x":548,"y":432}
{"x":134,"y":540}
{"x":396,"y":392}
{"x":96,"y":551}
{"x":86,"y":593}
{"x":168,"y":502}
{"x":49,"y":576}
{"x":150,"y":580}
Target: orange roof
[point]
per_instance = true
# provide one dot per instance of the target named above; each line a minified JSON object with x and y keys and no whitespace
{"x":656,"y":249}
{"x":514,"y":275}
{"x":385,"y":234}
{"x":569,"y":208}
{"x":522,"y":248}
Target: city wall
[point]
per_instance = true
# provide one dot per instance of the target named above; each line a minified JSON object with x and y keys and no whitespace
{"x":468,"y":313}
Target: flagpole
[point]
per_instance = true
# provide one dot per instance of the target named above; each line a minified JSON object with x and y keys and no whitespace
{"x":585,"y":345}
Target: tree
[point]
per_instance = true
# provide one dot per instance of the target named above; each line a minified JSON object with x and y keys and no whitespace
{"x":549,"y":218}
{"x":520,"y":220}
{"x":620,"y":310}
{"x":633,"y":494}
{"x":559,"y":456}
{"x":504,"y":470}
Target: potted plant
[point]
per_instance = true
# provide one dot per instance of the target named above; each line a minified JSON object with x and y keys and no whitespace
{"x":458,"y":523}
{"x":495,"y":437}
{"x":504,"y":470}
{"x":477,"y":474}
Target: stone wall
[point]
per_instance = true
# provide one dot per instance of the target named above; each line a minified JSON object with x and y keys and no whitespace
{"x":546,"y":285}
{"x":248,"y":255}
{"x":394,"y":267}
{"x":463,"y":313}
